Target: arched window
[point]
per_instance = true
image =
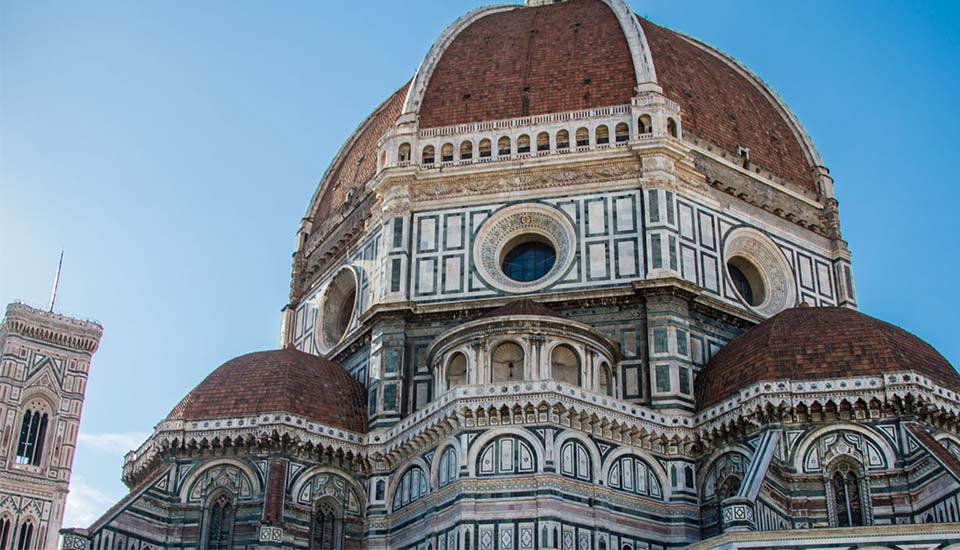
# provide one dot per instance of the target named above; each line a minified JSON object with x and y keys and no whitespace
{"x":327,"y":528}
{"x":429,"y":155}
{"x":446,"y":152}
{"x":632,"y":475}
{"x":457,"y":370}
{"x":645,"y":124}
{"x":563,"y":139}
{"x":6,"y":526}
{"x":448,"y":467}
{"x":507,"y":454}
{"x":583,"y":137}
{"x":622,"y":132}
{"x":603,"y":544}
{"x":575,"y":460}
{"x":466,"y":150}
{"x":848,"y":498}
{"x":26,"y":536}
{"x":403,"y":154}
{"x":507,"y":363}
{"x":565,"y":365}
{"x":380,"y":491}
{"x":486,"y":148}
{"x":220,"y":518}
{"x":33,"y":432}
{"x":503,"y":147}
{"x":606,"y":379}
{"x":672,"y":127}
{"x":412,"y":487}
{"x":603,"y":134}
{"x":543,"y":141}
{"x":523,"y":144}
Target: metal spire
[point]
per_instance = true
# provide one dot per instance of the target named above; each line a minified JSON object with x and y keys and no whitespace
{"x":56,"y":283}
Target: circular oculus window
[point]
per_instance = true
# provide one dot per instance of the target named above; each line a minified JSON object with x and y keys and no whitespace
{"x":336,"y":309}
{"x":524,"y":248}
{"x":758,"y":271}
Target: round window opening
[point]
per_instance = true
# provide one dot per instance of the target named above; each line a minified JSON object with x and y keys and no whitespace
{"x":748,"y":280}
{"x":528,"y":258}
{"x":336,"y":311}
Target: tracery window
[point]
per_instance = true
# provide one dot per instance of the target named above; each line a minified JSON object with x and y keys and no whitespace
{"x":327,"y":528}
{"x":507,"y":363}
{"x":632,"y":475}
{"x":413,"y":487}
{"x":575,"y":460}
{"x":565,"y":365}
{"x":220,"y":519}
{"x":5,"y":527}
{"x":26,"y":536}
{"x":33,"y":432}
{"x":847,"y":497}
{"x":506,"y":454}
{"x":448,"y":467}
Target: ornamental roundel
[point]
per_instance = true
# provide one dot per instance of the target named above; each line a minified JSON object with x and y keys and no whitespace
{"x":517,"y":225}
{"x":755,"y":258}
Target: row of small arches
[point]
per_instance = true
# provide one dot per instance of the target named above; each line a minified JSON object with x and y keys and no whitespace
{"x":507,"y":365}
{"x":526,"y":144}
{"x":511,"y":454}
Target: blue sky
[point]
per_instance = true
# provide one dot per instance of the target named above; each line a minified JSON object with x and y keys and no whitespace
{"x":171,"y":149}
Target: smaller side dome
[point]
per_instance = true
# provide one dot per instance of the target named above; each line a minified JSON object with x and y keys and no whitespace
{"x":285,"y":380}
{"x":816,"y":343}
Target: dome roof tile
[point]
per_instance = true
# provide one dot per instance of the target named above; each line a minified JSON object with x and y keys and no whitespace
{"x":815,"y":343}
{"x":286,"y":380}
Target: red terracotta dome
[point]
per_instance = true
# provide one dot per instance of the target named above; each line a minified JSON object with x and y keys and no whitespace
{"x":813,"y":343}
{"x":512,"y":61}
{"x":285,"y":380}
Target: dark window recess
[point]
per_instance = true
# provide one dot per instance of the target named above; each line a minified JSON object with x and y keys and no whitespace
{"x":529,"y":261}
{"x":395,"y":275}
{"x":397,"y":232}
{"x":741,"y":283}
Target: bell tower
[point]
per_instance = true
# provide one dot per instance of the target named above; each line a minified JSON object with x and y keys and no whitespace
{"x":44,"y":363}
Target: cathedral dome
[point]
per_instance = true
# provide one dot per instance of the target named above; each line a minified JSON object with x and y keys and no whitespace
{"x":285,"y":380}
{"x":505,"y":62}
{"x":816,"y":343}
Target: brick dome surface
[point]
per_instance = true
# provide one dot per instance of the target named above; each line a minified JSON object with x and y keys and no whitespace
{"x":571,"y":56}
{"x":813,"y":343}
{"x":285,"y":380}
